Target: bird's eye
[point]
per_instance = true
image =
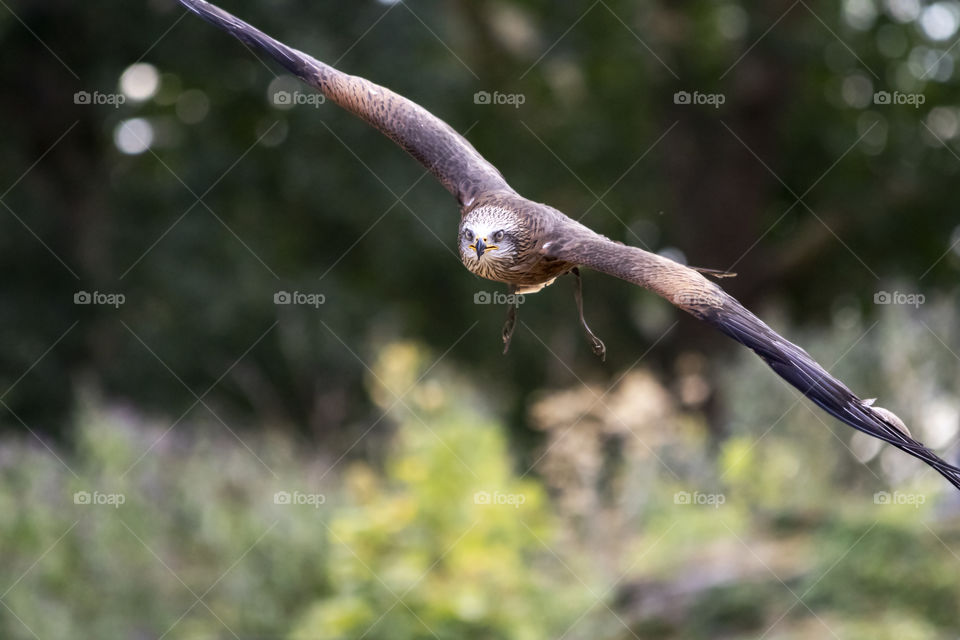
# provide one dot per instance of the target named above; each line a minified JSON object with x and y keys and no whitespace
{"x":468,"y":235}
{"x":498,"y":236}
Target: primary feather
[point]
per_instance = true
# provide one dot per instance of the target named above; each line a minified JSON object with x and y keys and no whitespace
{"x":434,"y":143}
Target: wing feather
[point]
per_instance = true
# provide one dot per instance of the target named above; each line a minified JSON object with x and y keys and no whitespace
{"x":687,"y":289}
{"x":436,"y":145}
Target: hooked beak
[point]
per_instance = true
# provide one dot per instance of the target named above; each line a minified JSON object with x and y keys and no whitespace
{"x":481,"y":247}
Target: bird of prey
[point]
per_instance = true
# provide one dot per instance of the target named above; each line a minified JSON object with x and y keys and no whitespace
{"x":526,"y":245}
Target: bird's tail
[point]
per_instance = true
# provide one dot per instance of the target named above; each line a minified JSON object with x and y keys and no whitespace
{"x":795,"y":365}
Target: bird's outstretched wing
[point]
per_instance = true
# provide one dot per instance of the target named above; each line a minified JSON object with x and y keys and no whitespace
{"x":447,"y":154}
{"x":693,"y":293}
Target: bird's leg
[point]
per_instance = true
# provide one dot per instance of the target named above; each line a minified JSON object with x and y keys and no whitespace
{"x":596,"y":343}
{"x":511,"y":322}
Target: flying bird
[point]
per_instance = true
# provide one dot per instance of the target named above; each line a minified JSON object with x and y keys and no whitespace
{"x":527,"y":245}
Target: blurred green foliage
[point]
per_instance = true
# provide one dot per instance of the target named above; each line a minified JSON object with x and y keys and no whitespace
{"x":442,"y":540}
{"x":446,"y":541}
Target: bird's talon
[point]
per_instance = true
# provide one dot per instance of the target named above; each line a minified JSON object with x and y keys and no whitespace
{"x":599,"y":349}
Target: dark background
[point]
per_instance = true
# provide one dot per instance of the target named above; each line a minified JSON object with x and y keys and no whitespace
{"x":719,"y":184}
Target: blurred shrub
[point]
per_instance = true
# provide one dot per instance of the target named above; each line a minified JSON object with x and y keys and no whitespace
{"x":702,"y":539}
{"x":445,"y":541}
{"x":196,"y":519}
{"x":448,"y":543}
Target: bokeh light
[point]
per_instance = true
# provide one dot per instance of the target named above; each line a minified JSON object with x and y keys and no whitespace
{"x":133,"y":136}
{"x":939,"y":21}
{"x":139,"y":81}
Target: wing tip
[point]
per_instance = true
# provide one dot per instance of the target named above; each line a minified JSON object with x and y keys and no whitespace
{"x":294,"y":61}
{"x":797,"y":367}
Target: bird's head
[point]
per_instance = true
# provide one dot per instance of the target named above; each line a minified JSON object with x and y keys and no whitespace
{"x":488,"y":234}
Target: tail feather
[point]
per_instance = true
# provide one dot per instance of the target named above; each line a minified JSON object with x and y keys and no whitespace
{"x":795,"y":365}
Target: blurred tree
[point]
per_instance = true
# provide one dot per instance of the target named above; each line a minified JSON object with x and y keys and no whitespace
{"x":799,"y":180}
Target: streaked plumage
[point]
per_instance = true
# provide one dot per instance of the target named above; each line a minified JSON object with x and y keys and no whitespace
{"x":540,"y":243}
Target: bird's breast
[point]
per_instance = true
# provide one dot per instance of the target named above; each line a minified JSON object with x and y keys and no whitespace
{"x":532,"y":273}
